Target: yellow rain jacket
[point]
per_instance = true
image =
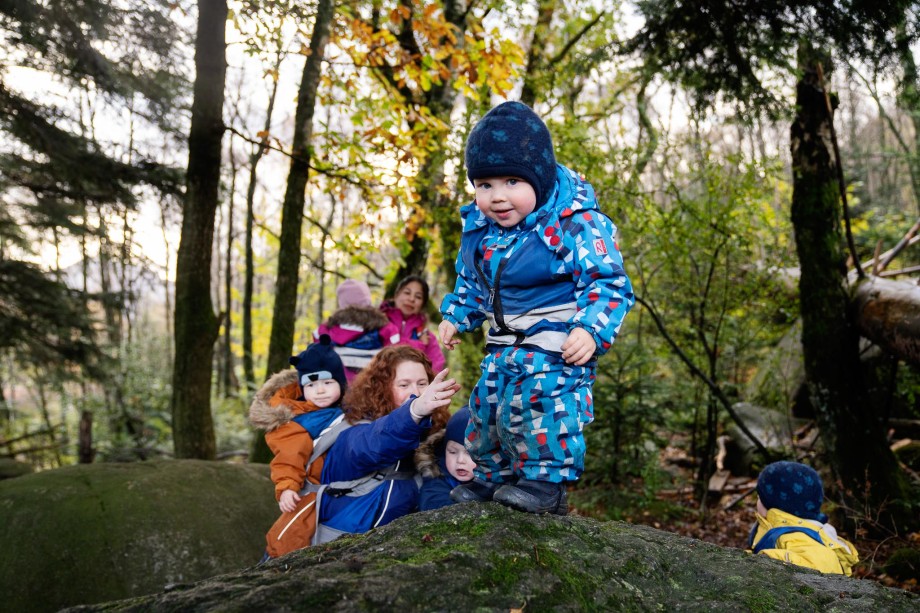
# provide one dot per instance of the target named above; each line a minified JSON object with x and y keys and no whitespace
{"x":802,"y":542}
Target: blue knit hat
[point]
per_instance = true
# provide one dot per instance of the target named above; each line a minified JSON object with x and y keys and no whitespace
{"x":511,"y":140}
{"x":791,"y":487}
{"x":319,"y":361}
{"x":456,"y":426}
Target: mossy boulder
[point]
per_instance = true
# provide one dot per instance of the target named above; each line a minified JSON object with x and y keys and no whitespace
{"x":100,"y":532}
{"x":488,"y":558}
{"x":10,"y":469}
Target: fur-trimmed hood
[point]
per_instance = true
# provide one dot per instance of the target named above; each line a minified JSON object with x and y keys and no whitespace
{"x":262,"y":414}
{"x":367,"y":317}
{"x":427,"y":460}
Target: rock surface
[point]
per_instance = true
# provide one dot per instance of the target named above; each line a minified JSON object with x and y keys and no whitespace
{"x":100,"y":532}
{"x":489,"y":558}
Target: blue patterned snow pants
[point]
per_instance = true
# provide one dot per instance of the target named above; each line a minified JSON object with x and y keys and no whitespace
{"x":527,"y":414}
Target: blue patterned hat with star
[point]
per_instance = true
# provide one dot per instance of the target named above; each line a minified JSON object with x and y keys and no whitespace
{"x":512,"y":141}
{"x":791,"y":487}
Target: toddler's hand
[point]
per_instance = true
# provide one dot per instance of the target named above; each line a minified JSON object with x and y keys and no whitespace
{"x":436,"y":395}
{"x":578,"y":347}
{"x":289,"y":500}
{"x":446,"y":332}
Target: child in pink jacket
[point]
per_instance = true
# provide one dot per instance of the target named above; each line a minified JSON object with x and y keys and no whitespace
{"x":358,"y":330}
{"x":407,"y":311}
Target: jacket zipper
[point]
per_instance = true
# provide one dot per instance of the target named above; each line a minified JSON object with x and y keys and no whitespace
{"x":495,"y":299}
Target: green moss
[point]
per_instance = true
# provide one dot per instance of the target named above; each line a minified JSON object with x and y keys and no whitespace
{"x":501,"y":572}
{"x":109,"y":531}
{"x":806,"y":590}
{"x":577,"y":585}
{"x":760,"y":601}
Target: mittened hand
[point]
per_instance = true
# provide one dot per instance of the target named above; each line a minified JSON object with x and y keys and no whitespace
{"x":578,"y":347}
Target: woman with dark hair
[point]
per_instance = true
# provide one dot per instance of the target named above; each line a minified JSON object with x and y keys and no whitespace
{"x":407,"y":312}
{"x":392,"y":405}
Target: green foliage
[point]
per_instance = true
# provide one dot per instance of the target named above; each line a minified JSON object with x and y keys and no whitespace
{"x":874,"y":227}
{"x":738,"y":49}
{"x":42,"y":320}
{"x":231,"y":425}
{"x":131,"y":412}
{"x":56,"y":175}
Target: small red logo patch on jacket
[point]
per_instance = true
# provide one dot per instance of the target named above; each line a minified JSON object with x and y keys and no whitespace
{"x":600,"y":248}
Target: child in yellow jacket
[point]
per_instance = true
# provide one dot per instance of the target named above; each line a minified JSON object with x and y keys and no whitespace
{"x":790,"y":525}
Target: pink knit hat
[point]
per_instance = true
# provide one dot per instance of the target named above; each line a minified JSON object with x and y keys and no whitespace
{"x":353,"y":293}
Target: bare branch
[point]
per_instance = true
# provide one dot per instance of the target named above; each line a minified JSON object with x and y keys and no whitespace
{"x":712,"y":385}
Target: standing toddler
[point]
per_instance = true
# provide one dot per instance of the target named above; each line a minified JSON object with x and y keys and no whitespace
{"x":539,"y":261}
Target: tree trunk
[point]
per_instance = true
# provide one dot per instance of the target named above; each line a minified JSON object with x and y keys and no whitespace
{"x":854,"y":439}
{"x":909,"y":100}
{"x":530,"y":91}
{"x":282,"y":336}
{"x":85,"y":451}
{"x":196,"y":325}
{"x":439,"y":100}
{"x":284,"y":313}
{"x":257,"y":154}
{"x":227,"y":363}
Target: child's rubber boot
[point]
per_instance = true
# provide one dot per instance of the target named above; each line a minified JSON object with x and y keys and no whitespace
{"x":534,"y":497}
{"x":474,"y":491}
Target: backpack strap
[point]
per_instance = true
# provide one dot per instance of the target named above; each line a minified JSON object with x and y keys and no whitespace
{"x":772,"y":535}
{"x":360,"y":486}
{"x":328,"y":436}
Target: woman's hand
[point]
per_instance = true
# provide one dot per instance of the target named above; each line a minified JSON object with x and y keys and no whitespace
{"x":289,"y":500}
{"x":436,"y":395}
{"x":446,"y":332}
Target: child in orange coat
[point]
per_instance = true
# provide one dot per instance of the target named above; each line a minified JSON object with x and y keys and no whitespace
{"x":294,"y":407}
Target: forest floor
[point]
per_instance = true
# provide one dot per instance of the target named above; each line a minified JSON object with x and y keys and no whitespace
{"x":727,"y":517}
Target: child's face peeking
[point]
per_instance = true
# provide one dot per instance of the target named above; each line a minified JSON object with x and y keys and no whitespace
{"x":323,"y":393}
{"x":410,"y":299}
{"x":505,"y":200}
{"x":459,"y":463}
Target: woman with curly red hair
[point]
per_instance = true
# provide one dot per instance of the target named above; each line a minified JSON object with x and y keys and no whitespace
{"x":393,"y":404}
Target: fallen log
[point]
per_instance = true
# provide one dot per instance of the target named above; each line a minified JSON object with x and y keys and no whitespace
{"x":888,"y":314}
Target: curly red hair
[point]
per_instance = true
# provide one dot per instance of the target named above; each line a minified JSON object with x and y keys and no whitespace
{"x":370,"y":395}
